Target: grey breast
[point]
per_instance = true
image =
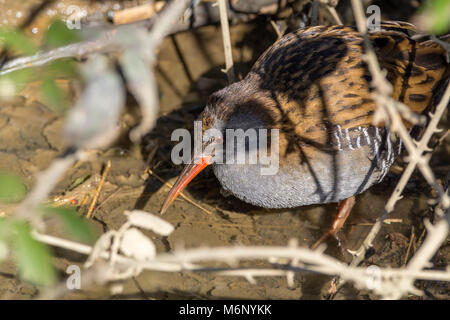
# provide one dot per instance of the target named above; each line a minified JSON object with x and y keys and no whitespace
{"x":363,"y":157}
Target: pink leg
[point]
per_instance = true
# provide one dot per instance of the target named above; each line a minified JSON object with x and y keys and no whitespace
{"x":345,"y":207}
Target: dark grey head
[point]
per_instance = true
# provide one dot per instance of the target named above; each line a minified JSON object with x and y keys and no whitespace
{"x":236,"y":108}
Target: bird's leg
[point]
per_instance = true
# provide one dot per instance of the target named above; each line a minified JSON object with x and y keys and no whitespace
{"x":345,"y":207}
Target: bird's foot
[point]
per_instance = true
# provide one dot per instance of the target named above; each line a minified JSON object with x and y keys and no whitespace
{"x":345,"y":207}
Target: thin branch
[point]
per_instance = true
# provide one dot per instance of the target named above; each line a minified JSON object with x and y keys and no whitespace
{"x":396,"y":195}
{"x":408,"y":114}
{"x":388,"y":112}
{"x":161,"y":28}
{"x":229,"y":69}
{"x":386,"y":281}
{"x":276,"y":28}
{"x":97,"y":191}
{"x":104,"y":43}
{"x":334,"y":14}
{"x":437,"y":234}
{"x":315,"y":12}
{"x":137,"y":13}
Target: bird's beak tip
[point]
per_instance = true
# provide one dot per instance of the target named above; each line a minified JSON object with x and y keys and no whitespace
{"x":188,"y":173}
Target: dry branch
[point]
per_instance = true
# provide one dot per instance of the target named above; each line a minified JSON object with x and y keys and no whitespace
{"x":229,"y":70}
{"x":384,"y":102}
{"x":390,"y":283}
{"x":104,"y":40}
{"x":388,"y":111}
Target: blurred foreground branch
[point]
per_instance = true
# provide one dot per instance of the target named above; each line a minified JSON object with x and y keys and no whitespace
{"x":229,"y":69}
{"x":133,"y":259}
{"x":107,"y":39}
{"x":389,"y":114}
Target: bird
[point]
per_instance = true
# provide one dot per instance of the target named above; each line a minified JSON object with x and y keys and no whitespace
{"x":313,"y":85}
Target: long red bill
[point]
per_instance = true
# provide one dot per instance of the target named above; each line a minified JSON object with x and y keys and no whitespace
{"x":188,"y":173}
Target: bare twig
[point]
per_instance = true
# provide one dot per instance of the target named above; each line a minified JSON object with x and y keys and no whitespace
{"x":437,"y":234}
{"x":229,"y":69}
{"x":411,"y":241}
{"x":396,"y":195}
{"x":105,"y":41}
{"x":334,"y":14}
{"x":388,"y":112}
{"x":408,"y":114}
{"x":315,"y":12}
{"x":277,"y":30}
{"x":161,"y":28}
{"x":307,"y":261}
{"x":90,"y":212}
{"x":137,"y":13}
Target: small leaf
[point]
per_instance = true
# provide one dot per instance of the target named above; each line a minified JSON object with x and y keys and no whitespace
{"x":140,"y":82}
{"x":60,"y":69}
{"x":440,"y":11}
{"x":93,"y":120}
{"x":33,"y":257}
{"x":149,"y":221}
{"x":79,"y":181}
{"x":16,"y":80}
{"x":17,"y":41}
{"x":59,"y":35}
{"x":434,"y":16}
{"x":54,"y":96}
{"x":11,"y":188}
{"x":3,"y":250}
{"x":5,"y":228}
{"x":75,"y":225}
{"x":136,"y":245}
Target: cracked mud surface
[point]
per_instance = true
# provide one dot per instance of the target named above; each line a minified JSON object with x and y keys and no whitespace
{"x":30,"y":138}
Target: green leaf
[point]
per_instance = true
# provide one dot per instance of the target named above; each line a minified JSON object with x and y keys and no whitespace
{"x":4,"y":228}
{"x":11,"y":188}
{"x":79,"y":181}
{"x":17,"y":41}
{"x":33,"y":257}
{"x":18,"y":79}
{"x":435,"y":16}
{"x":3,"y":250}
{"x":55,"y":98}
{"x":4,"y":234}
{"x":440,"y":11}
{"x":75,"y":225}
{"x":59,"y":35}
{"x":61,"y":69}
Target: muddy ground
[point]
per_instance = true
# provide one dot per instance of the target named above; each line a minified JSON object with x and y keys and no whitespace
{"x":188,"y":70}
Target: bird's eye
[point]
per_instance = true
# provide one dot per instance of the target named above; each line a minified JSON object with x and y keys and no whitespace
{"x":218,"y":140}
